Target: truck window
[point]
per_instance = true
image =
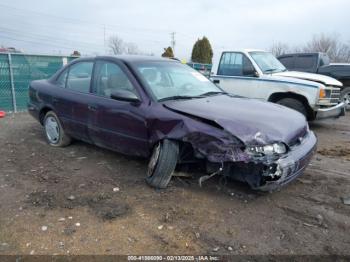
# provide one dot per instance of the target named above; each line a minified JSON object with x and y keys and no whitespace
{"x":307,"y":62}
{"x":287,"y":61}
{"x":235,"y":64}
{"x":324,"y":60}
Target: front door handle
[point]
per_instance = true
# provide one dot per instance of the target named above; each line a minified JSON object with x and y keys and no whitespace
{"x":92,"y":107}
{"x":216,"y":81}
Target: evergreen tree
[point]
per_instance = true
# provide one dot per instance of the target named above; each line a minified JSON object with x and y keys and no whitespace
{"x":168,"y":52}
{"x":202,"y":51}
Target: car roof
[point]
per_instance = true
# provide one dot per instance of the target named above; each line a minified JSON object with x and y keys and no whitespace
{"x":246,"y":50}
{"x":302,"y":54}
{"x":131,"y":58}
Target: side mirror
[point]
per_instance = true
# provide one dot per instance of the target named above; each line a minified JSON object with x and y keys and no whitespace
{"x":125,"y":95}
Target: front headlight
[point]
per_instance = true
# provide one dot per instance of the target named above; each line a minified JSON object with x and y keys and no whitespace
{"x":268,"y":150}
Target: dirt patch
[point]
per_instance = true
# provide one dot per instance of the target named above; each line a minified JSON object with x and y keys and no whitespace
{"x":70,"y":193}
{"x":336,"y":152}
{"x":103,"y":205}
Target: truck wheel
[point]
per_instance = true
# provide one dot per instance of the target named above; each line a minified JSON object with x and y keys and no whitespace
{"x":162,"y":163}
{"x":345,"y":94}
{"x":294,"y":104}
{"x":54,"y":132}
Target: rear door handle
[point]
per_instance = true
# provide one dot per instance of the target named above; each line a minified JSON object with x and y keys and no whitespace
{"x":92,"y":107}
{"x":216,"y":81}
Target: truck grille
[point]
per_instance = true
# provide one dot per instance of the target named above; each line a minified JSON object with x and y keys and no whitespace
{"x":335,"y":95}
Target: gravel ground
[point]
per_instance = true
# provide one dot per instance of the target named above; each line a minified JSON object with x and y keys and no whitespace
{"x":86,"y":200}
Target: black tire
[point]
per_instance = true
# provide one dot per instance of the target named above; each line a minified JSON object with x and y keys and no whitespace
{"x":345,"y":93}
{"x":160,"y":173}
{"x":294,"y":104}
{"x":63,"y":139}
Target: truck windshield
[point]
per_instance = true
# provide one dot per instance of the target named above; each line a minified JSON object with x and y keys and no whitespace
{"x":267,"y":62}
{"x":171,"y":80}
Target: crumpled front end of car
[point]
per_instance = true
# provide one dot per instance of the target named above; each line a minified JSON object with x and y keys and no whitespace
{"x":226,"y":146}
{"x":265,"y":173}
{"x":288,"y":166}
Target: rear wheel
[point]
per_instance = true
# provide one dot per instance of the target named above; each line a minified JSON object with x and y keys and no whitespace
{"x":345,"y":95}
{"x":294,"y":104}
{"x":54,"y":132}
{"x":162,"y":163}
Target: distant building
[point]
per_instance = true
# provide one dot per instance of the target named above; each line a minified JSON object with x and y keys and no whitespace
{"x":9,"y":50}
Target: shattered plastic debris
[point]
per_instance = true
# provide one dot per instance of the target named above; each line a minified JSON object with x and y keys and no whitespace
{"x":346,"y":200}
{"x":71,"y":197}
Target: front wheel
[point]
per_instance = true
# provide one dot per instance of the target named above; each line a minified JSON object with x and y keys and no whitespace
{"x":162,"y":163}
{"x":294,"y":104}
{"x":345,"y":95}
{"x":54,"y":132}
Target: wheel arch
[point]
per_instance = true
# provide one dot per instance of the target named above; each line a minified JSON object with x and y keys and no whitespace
{"x":275,"y":97}
{"x":43,"y":112}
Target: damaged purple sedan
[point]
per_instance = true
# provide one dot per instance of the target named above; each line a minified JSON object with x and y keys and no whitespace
{"x":171,"y":114}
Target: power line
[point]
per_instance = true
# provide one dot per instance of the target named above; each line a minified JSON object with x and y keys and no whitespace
{"x":80,"y":21}
{"x":173,"y":42}
{"x":43,"y":37}
{"x":75,"y":23}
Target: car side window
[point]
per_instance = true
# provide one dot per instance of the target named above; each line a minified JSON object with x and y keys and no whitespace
{"x":235,"y":64}
{"x":79,"y":77}
{"x":61,"y":80}
{"x":110,"y":77}
{"x":248,"y":68}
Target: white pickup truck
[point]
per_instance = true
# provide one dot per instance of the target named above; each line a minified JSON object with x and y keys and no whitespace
{"x":259,"y":74}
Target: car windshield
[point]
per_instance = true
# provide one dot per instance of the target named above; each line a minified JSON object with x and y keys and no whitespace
{"x":171,"y":80}
{"x":267,"y":62}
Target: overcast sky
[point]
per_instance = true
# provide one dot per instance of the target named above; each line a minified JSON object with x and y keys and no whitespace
{"x":61,"y":26}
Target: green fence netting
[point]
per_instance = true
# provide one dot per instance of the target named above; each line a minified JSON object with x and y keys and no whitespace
{"x":25,"y":68}
{"x":5,"y":84}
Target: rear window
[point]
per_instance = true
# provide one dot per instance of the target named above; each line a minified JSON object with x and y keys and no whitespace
{"x":287,"y":61}
{"x":305,"y":62}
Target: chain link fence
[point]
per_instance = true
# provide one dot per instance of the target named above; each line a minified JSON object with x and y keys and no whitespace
{"x":18,"y":70}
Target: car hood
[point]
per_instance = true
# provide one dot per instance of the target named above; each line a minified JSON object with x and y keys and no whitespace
{"x":326,"y":80}
{"x":252,"y":121}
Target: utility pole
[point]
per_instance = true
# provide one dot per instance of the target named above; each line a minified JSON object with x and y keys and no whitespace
{"x":173,"y":42}
{"x":104,"y":39}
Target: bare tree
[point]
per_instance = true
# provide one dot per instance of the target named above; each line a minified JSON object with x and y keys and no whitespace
{"x":131,"y":49}
{"x":279,"y":48}
{"x":116,"y":45}
{"x":331,"y":45}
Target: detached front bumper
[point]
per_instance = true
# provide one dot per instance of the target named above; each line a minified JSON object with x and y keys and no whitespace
{"x":331,"y":112}
{"x":293,"y":164}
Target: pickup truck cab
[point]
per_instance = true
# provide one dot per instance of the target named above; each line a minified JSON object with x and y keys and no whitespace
{"x":259,"y":74}
{"x":319,"y":63}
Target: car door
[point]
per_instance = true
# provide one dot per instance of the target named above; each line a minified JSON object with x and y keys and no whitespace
{"x":236,"y":75}
{"x":118,"y":125}
{"x":77,"y":98}
{"x":61,"y":102}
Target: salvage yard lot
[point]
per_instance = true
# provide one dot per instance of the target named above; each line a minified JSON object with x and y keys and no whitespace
{"x":86,"y":200}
